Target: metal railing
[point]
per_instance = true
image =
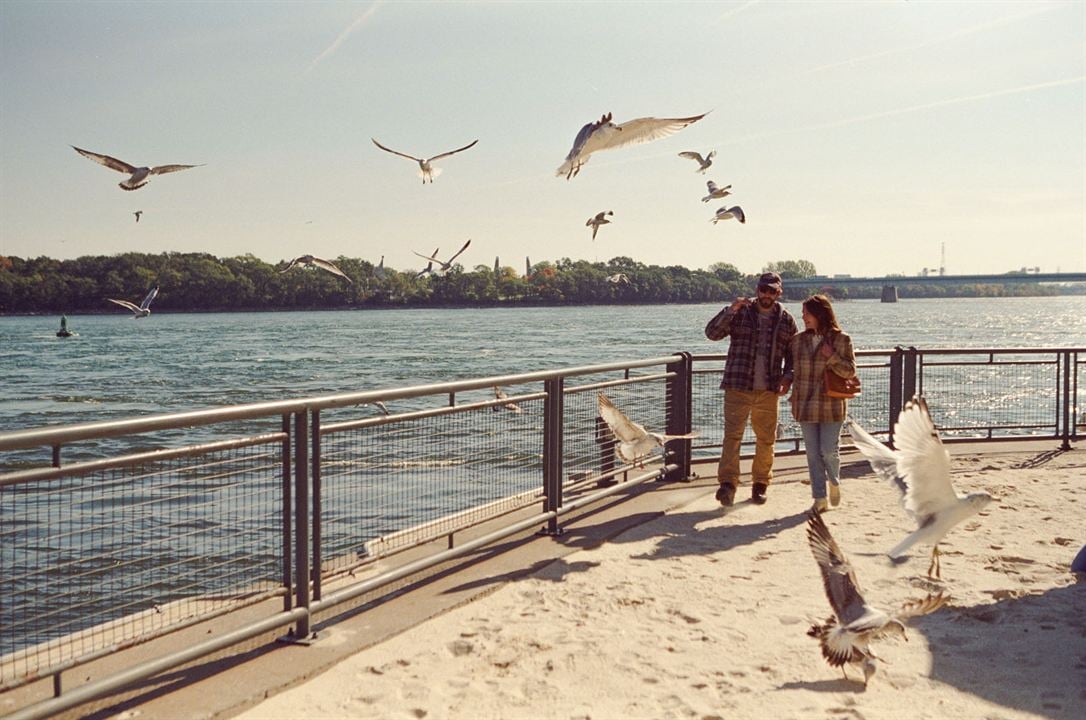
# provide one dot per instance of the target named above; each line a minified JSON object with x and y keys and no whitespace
{"x":116,"y":533}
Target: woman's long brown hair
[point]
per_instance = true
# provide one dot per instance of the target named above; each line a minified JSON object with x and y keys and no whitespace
{"x":822,"y":309}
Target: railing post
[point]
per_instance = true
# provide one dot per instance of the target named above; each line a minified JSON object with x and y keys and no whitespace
{"x":909,"y":387}
{"x":316,"y":470}
{"x":606,"y":440}
{"x":287,"y":522}
{"x":552,"y":451}
{"x":897,"y":364}
{"x":679,"y":406}
{"x":301,"y":521}
{"x":1068,"y":418}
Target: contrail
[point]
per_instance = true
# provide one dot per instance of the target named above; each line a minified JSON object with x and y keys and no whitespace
{"x":935,"y":41}
{"x":343,"y":35}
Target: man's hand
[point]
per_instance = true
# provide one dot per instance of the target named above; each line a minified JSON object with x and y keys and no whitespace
{"x":739,"y":304}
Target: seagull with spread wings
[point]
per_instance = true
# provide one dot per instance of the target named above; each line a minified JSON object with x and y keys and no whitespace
{"x":445,"y":265}
{"x":845,"y":638}
{"x":313,"y":261}
{"x":426,"y":170}
{"x":704,"y":163}
{"x":619,"y":279}
{"x":920,"y":469}
{"x":606,"y":135}
{"x":141,"y":310}
{"x":137,"y":176}
{"x":599,"y":219}
{"x":727,"y":213}
{"x":429,"y":269}
{"x":716,"y":193}
{"x":633,"y":442}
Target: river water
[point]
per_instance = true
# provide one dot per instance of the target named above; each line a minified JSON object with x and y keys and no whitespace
{"x":119,"y":367}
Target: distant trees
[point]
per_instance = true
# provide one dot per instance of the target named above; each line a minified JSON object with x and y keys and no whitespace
{"x":203,"y":282}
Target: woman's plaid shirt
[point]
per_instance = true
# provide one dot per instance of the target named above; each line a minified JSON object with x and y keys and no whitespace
{"x":809,"y":401}
{"x":742,"y":327}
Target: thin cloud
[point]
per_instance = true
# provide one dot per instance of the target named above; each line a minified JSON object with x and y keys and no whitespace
{"x":990,"y":25}
{"x":735,"y":11}
{"x":359,"y":22}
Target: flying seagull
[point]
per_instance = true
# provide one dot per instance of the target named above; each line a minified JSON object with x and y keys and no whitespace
{"x":605,"y":135}
{"x":618,"y":279}
{"x":429,"y":269}
{"x":716,"y":193}
{"x":846,"y":636}
{"x":446,"y":265}
{"x":501,"y":395}
{"x":317,"y":262}
{"x":920,"y":469}
{"x":634,"y":441}
{"x":426,"y":170}
{"x":137,"y":214}
{"x":600,"y":219}
{"x":138,"y":176}
{"x":703,"y":162}
{"x":727,"y":213}
{"x":141,"y":310}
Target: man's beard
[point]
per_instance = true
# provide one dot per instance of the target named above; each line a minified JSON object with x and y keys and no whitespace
{"x":766,"y":303}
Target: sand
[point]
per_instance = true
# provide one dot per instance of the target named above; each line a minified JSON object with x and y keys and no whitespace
{"x":703,"y":613}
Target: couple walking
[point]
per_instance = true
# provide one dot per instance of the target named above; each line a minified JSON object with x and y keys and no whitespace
{"x":768,"y":357}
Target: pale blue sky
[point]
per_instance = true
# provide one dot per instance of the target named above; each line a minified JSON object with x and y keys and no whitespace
{"x":860,"y":136}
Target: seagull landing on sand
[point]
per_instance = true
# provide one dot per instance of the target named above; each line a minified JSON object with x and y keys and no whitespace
{"x":445,"y":265}
{"x":141,"y":310}
{"x":426,"y":170}
{"x":920,"y":469}
{"x":312,"y":261}
{"x":634,"y":442}
{"x":605,"y":135}
{"x":137,"y":214}
{"x":703,"y":162}
{"x":727,"y":213}
{"x":845,"y":638}
{"x":600,"y":219}
{"x":500,"y":394}
{"x":716,"y":193}
{"x":138,"y":176}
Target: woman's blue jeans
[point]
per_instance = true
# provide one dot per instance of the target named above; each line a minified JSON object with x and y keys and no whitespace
{"x":822,"y":441}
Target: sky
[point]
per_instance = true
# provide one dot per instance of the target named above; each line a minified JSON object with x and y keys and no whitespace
{"x":869,"y":138}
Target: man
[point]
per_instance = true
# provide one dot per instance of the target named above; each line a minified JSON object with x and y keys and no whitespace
{"x":758,"y":371}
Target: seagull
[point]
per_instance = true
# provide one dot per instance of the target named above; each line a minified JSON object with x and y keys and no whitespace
{"x":727,"y":213}
{"x":845,"y":636}
{"x":138,"y":175}
{"x":429,"y":269}
{"x":920,"y":469}
{"x":141,"y":310}
{"x":379,"y":271}
{"x":605,"y":135}
{"x":703,"y":162}
{"x":426,"y":170}
{"x":446,"y":265}
{"x":634,"y":441}
{"x":595,"y":222}
{"x":137,"y":214}
{"x":317,"y":262}
{"x":619,"y":279}
{"x":716,"y":193}
{"x":501,"y":395}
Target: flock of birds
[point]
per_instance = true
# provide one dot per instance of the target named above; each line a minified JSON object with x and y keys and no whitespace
{"x":920,"y":470}
{"x":594,"y":137}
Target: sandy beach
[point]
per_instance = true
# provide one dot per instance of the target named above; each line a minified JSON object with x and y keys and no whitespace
{"x":702,"y":613}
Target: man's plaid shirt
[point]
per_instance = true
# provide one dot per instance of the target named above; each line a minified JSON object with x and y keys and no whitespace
{"x":742,"y":327}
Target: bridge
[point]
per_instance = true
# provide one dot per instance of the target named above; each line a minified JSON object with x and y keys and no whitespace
{"x":890,"y":283}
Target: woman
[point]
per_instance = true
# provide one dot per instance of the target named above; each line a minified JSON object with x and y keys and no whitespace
{"x":822,"y":345}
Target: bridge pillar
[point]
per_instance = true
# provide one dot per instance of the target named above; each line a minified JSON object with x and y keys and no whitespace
{"x":889,"y":293}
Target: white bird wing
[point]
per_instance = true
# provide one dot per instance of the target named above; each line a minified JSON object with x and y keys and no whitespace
{"x":458,"y":252}
{"x":427,"y":257}
{"x":396,"y":152}
{"x":883,"y":460}
{"x":110,"y":162}
{"x":163,"y":169}
{"x":838,"y":577}
{"x":150,"y":297}
{"x":738,"y":214}
{"x":924,"y":462}
{"x":125,"y":304}
{"x":914,"y":608}
{"x":621,"y":426}
{"x":634,"y":132}
{"x":330,"y":267}
{"x":451,"y":152}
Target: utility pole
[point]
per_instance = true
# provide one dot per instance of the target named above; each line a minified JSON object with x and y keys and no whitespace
{"x":942,"y":261}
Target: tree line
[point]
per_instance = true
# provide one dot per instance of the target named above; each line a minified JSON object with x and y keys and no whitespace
{"x":202,"y":282}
